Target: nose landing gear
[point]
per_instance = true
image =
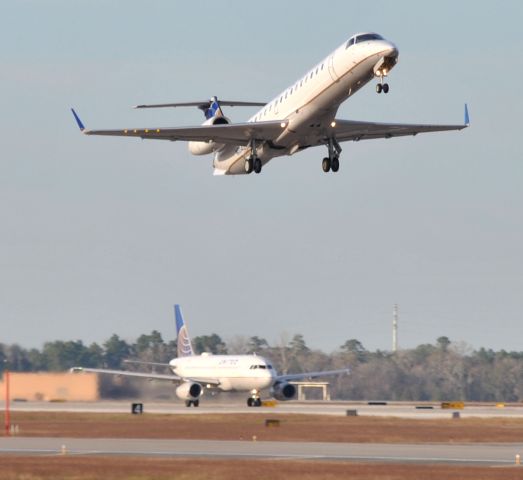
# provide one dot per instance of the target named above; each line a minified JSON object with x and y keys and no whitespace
{"x":382,"y":87}
{"x":254,"y":400}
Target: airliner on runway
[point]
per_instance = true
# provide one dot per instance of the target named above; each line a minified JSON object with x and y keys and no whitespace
{"x":228,"y":373}
{"x":302,"y":116}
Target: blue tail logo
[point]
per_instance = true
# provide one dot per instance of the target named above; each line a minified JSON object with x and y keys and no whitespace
{"x":213,"y":109}
{"x":184,"y":345}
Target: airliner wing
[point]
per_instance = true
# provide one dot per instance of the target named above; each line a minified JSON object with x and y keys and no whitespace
{"x":299,"y":376}
{"x":150,"y":376}
{"x":347,"y":130}
{"x":232,"y":134}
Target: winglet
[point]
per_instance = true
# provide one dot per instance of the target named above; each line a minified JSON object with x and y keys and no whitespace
{"x":78,"y":121}
{"x":467,"y":119}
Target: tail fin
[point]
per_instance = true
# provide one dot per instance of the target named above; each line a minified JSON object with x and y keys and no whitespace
{"x":183,"y":339}
{"x":212,"y":109}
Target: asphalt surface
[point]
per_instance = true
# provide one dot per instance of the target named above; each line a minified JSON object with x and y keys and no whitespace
{"x":464,"y":454}
{"x":402,"y":410}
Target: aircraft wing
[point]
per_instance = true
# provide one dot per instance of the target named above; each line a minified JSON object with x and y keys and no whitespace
{"x":347,"y":130}
{"x":300,"y":376}
{"x":150,"y":376}
{"x":232,"y":134}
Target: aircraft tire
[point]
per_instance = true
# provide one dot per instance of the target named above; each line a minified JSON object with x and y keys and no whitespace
{"x":188,"y":403}
{"x":257,"y":165}
{"x":248,"y":165}
{"x":326,"y":164}
{"x":335,"y":164}
{"x":196,"y":403}
{"x":385,"y":88}
{"x":379,"y":88}
{"x":250,"y":401}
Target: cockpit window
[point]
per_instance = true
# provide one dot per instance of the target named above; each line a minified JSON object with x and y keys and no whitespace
{"x":367,"y":37}
{"x":349,"y":43}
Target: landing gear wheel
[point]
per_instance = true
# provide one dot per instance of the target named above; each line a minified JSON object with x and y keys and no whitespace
{"x":248,"y":165}
{"x":257,"y":402}
{"x":326,"y":164}
{"x":385,"y":88}
{"x":196,"y":403}
{"x":188,"y":403}
{"x":250,"y":402}
{"x":335,"y":164}
{"x":257,"y":165}
{"x":379,"y":88}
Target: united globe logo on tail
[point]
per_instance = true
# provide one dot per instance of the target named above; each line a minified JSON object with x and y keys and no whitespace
{"x":184,"y":345}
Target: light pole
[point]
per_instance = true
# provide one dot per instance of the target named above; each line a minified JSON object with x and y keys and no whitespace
{"x":7,"y":406}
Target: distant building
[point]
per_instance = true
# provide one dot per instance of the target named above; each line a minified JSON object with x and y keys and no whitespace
{"x":46,"y":387}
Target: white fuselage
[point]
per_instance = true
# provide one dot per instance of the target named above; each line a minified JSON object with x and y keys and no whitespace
{"x":309,"y":106}
{"x":231,"y":372}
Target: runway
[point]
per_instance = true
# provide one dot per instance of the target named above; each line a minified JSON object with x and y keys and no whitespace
{"x":209,"y":406}
{"x":465,"y":454}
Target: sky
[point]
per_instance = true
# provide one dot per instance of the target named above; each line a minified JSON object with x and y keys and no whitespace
{"x":103,"y":235}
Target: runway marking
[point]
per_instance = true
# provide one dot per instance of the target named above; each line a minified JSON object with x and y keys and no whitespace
{"x":290,"y":456}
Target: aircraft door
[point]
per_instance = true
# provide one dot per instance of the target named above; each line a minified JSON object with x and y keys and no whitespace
{"x":332,"y":72}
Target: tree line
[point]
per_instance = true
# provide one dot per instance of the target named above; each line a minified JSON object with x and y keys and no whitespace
{"x":429,"y":372}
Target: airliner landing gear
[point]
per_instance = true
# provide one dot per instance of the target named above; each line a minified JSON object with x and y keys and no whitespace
{"x":257,"y":165}
{"x":249,"y":165}
{"x":332,"y":162}
{"x":382,"y":87}
{"x":253,"y":163}
{"x":195,"y":403}
{"x":254,"y":400}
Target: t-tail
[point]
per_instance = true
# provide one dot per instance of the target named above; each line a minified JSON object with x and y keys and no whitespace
{"x":183,"y":340}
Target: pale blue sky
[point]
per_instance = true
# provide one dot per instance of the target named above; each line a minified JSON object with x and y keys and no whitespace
{"x":102,"y":235}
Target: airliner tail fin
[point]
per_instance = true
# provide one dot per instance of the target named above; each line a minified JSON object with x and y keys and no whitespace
{"x":183,"y":340}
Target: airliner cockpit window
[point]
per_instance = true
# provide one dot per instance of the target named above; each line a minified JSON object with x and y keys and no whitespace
{"x":350,"y":42}
{"x":367,"y":37}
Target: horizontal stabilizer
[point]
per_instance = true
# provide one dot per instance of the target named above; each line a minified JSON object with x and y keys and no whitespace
{"x":204,"y":104}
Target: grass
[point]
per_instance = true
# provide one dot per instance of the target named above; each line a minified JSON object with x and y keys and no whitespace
{"x":244,"y":426}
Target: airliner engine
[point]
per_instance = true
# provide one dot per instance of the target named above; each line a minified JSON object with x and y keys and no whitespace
{"x":204,"y":148}
{"x":283,"y":391}
{"x":189,"y":391}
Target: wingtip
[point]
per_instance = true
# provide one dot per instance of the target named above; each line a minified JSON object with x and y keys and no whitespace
{"x":81,"y":126}
{"x":467,"y":118}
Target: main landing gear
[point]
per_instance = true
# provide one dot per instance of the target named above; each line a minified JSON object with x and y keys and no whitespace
{"x":253,"y":163}
{"x":195,"y":403}
{"x":332,"y":162}
{"x":254,"y":400}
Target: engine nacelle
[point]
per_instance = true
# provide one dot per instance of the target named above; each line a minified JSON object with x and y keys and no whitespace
{"x":283,"y":391}
{"x":204,"y":148}
{"x":189,"y":391}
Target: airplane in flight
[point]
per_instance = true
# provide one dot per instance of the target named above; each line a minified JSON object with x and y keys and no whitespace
{"x":302,"y":116}
{"x":228,"y":373}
